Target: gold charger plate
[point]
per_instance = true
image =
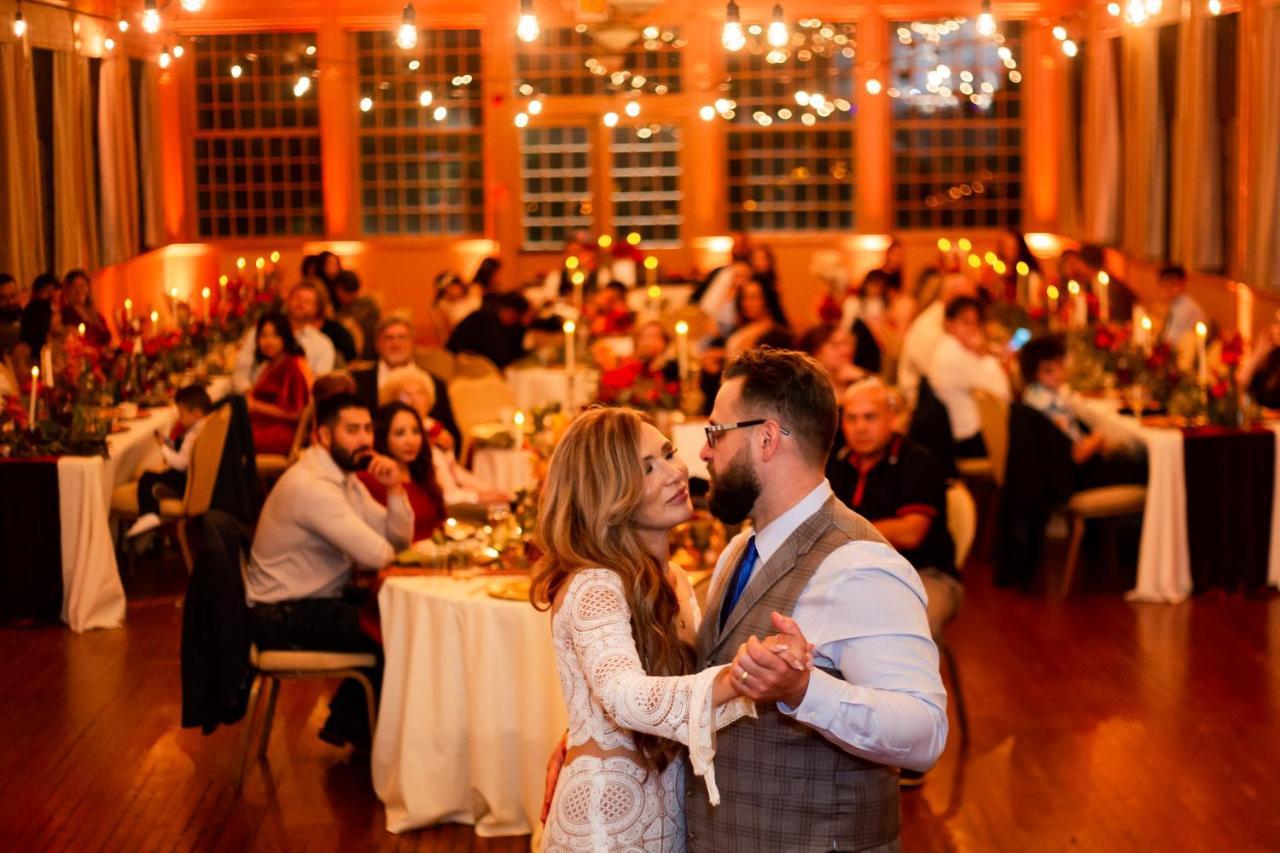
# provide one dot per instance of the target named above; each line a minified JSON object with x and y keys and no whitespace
{"x":516,"y":589}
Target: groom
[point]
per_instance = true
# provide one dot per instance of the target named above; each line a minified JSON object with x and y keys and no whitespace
{"x":816,"y":769}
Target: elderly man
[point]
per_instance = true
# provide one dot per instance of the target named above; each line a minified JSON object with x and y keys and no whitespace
{"x":302,"y":307}
{"x":393,"y":343}
{"x":926,"y":331}
{"x":961,"y":365}
{"x":899,"y":487}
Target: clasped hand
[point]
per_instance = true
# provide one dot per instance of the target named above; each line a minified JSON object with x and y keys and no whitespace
{"x":777,"y":668}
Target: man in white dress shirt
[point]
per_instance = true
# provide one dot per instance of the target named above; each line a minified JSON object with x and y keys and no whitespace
{"x":318,"y":521}
{"x":1184,"y":312}
{"x":961,"y":365}
{"x":926,"y":331}
{"x":302,"y":309}
{"x":811,"y":570}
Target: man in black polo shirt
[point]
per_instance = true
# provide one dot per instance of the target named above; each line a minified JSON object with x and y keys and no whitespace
{"x":898,"y":486}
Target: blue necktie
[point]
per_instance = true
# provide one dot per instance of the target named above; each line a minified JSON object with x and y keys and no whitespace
{"x":738,"y":582}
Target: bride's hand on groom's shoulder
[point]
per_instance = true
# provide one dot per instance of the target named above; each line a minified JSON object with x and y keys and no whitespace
{"x":777,"y":668}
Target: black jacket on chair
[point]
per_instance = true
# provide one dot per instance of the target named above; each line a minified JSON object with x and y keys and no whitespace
{"x":1038,"y":478}
{"x":931,"y":427}
{"x":216,"y":634}
{"x":236,"y":490}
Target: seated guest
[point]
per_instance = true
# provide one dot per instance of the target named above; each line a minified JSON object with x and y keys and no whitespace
{"x":344,"y":345}
{"x":328,"y":268}
{"x":718,"y":300}
{"x":1260,"y":372}
{"x":316,"y":523}
{"x":495,"y":330}
{"x":453,"y":302}
{"x":648,"y":371}
{"x":1121,"y":297}
{"x":393,"y":344}
{"x":962,"y":365}
{"x":607,"y":313}
{"x":353,"y":308}
{"x":894,"y":254}
{"x":458,"y":485}
{"x":302,"y":309}
{"x":926,"y":331}
{"x":193,"y":406}
{"x":39,"y":318}
{"x":337,"y":382}
{"x":10,"y":314}
{"x":78,"y":308}
{"x":398,"y":434}
{"x":1183,"y":312}
{"x":1043,"y":362}
{"x":488,"y":276}
{"x":832,"y":347}
{"x":758,"y":314}
{"x":764,"y":268}
{"x":653,"y":350}
{"x":281,"y":386}
{"x":900,"y":488}
{"x":864,"y":314}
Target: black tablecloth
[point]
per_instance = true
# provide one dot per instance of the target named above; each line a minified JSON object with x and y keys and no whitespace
{"x":30,"y":540}
{"x":1230,"y":478}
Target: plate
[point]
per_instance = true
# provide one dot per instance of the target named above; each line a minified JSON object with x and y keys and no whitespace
{"x":516,"y":589}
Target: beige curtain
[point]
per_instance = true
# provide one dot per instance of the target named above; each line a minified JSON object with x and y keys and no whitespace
{"x":1146,"y":147}
{"x":1197,"y":216}
{"x":1070,"y":216}
{"x":75,"y":202}
{"x":1262,"y":252}
{"x":152,"y":175}
{"x":1101,"y":150}
{"x":116,"y":153}
{"x":22,"y":250}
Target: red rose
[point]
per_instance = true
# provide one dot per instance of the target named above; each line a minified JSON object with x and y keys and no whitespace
{"x":1104,"y":338}
{"x":1219,"y":389}
{"x":1232,"y":350}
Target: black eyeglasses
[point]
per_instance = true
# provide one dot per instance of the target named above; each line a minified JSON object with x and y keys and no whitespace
{"x":714,"y":431}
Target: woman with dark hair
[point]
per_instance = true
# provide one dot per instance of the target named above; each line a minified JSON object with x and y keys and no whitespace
{"x":759,"y":313}
{"x":1012,"y":248}
{"x":328,"y":268}
{"x":281,"y":385}
{"x":398,"y":434}
{"x":764,"y":268}
{"x":78,"y":308}
{"x":487,"y":275}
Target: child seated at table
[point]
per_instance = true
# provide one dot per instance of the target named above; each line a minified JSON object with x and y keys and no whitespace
{"x":193,"y":406}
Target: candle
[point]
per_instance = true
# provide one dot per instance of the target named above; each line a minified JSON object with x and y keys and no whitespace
{"x":570,"y":361}
{"x":517,"y":433}
{"x":579,"y":280}
{"x":655,"y":297}
{"x":651,"y":270}
{"x":1202,"y":363}
{"x":35,"y":392}
{"x":261,"y":264}
{"x":80,"y":330}
{"x":1146,"y":333}
{"x":240,"y":265}
{"x":206,"y":293}
{"x":1104,"y":297}
{"x":682,"y":348}
{"x":275,"y":257}
{"x":1052,"y":292}
{"x":1079,"y":310}
{"x":128,"y":310}
{"x":1023,"y":271}
{"x":173,"y":306}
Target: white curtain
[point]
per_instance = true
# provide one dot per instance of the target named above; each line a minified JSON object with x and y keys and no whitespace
{"x":1262,"y":256}
{"x":1146,"y":147}
{"x":117,"y":155}
{"x":1101,"y":154}
{"x":22,"y":251}
{"x":74,"y":182}
{"x":1197,"y":214}
{"x":152,"y":175}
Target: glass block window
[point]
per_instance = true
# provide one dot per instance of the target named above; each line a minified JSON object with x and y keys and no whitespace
{"x":646,"y":183}
{"x":791,"y":137}
{"x":257,"y":143}
{"x":957,"y":125}
{"x":421,"y":140}
{"x":556,"y":178}
{"x":568,"y":62}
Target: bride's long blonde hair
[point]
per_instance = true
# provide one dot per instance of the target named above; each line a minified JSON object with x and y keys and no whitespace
{"x":594,"y":485}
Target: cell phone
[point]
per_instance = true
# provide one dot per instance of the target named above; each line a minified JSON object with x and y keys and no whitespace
{"x":1019,"y":339}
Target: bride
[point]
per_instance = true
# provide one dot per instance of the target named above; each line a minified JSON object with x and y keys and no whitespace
{"x":624,"y":621}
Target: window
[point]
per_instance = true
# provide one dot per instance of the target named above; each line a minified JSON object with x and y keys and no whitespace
{"x":957,"y":125}
{"x":646,"y":182}
{"x":257,"y":143}
{"x":556,"y":174}
{"x":791,"y":141}
{"x":569,"y":62}
{"x":422,"y":139}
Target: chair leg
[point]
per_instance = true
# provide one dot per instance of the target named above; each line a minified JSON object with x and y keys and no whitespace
{"x":370,"y":701}
{"x":953,"y":672}
{"x":185,"y":545}
{"x":273,"y":691}
{"x":1073,"y":553}
{"x":255,"y":699}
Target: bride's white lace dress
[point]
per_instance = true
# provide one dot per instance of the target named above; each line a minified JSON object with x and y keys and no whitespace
{"x":610,"y":801}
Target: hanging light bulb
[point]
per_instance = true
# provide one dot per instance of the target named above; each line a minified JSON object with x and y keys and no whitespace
{"x":178,"y":50}
{"x":165,"y":58}
{"x":707,"y":113}
{"x":302,"y":86}
{"x":366,"y":104}
{"x":535,"y":107}
{"x":632,"y":108}
{"x":19,"y":25}
{"x":440,"y":113}
{"x":151,"y":17}
{"x":109,"y":43}
{"x":731,"y":36}
{"x":1215,"y":7}
{"x":1069,"y":48}
{"x":236,"y":70}
{"x":522,"y":119}
{"x":777,"y":35}
{"x":407,"y":34}
{"x":122,"y":25}
{"x":1135,"y":13}
{"x":425,"y":98}
{"x":610,"y":119}
{"x":527,"y":27}
{"x":986,"y":25}
{"x":192,"y":5}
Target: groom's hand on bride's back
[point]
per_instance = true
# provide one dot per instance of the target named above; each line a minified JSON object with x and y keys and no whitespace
{"x":554,"y":765}
{"x":777,"y":668}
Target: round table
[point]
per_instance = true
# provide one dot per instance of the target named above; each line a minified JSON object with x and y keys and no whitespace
{"x":471,"y":706}
{"x":508,"y":469}
{"x":535,"y":387}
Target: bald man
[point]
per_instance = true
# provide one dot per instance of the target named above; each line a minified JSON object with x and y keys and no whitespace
{"x":926,"y":331}
{"x":899,"y":487}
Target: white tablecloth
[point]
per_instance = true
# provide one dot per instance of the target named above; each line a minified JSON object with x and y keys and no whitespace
{"x":673,"y":296}
{"x":1164,"y":556}
{"x":471,"y":707}
{"x":535,"y":387}
{"x":505,"y":470}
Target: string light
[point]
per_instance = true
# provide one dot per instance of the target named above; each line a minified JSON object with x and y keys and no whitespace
{"x":19,"y":25}
{"x":366,"y":104}
{"x":151,"y":17}
{"x":165,"y":58}
{"x":731,"y":36}
{"x":986,"y":24}
{"x":236,"y":70}
{"x":1113,"y":9}
{"x":407,"y":34}
{"x":302,"y":86}
{"x":707,"y":113}
{"x":1215,"y":7}
{"x":192,"y":5}
{"x":425,"y":98}
{"x":178,"y":50}
{"x":522,"y":119}
{"x":109,"y":43}
{"x":610,"y":119}
{"x":632,"y":108}
{"x":778,"y":35}
{"x":122,"y":25}
{"x":873,"y":86}
{"x":1069,"y":48}
{"x":534,"y":108}
{"x":1135,"y":13}
{"x":527,"y":28}
{"x":440,"y":113}
{"x":1060,"y":32}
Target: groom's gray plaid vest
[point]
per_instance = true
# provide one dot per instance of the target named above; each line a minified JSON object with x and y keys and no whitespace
{"x":782,"y":785}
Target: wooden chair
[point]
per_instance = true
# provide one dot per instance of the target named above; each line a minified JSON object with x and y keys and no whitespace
{"x":475,"y":366}
{"x":438,"y":361}
{"x":994,"y":415}
{"x":202,"y":476}
{"x":1101,"y":504}
{"x":962,"y":524}
{"x":272,"y":465}
{"x":478,"y":400}
{"x":273,"y":666}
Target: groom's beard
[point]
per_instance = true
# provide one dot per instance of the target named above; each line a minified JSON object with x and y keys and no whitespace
{"x":351,"y":461}
{"x":735,"y":491}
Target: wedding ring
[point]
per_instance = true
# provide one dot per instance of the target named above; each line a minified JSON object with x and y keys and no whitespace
{"x":745,"y":676}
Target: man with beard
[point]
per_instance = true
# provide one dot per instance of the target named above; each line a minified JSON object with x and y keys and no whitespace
{"x":817,"y":770}
{"x":318,"y":521}
{"x":10,"y":314}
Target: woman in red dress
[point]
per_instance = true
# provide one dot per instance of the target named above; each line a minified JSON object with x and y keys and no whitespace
{"x":281,"y":387}
{"x":398,"y":433}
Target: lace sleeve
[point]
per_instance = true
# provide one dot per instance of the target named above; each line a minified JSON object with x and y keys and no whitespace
{"x":678,"y":708}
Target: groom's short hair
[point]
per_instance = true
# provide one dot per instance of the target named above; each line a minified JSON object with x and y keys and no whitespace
{"x":794,"y":388}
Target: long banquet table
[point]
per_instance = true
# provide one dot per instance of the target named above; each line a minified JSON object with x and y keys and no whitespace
{"x":470,"y":709}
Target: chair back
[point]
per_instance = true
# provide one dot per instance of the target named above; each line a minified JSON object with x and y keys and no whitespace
{"x":303,"y":432}
{"x":474,"y":365}
{"x":962,"y":520}
{"x":994,"y":415}
{"x":479,"y":400}
{"x":437,"y":361}
{"x":206,"y":459}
